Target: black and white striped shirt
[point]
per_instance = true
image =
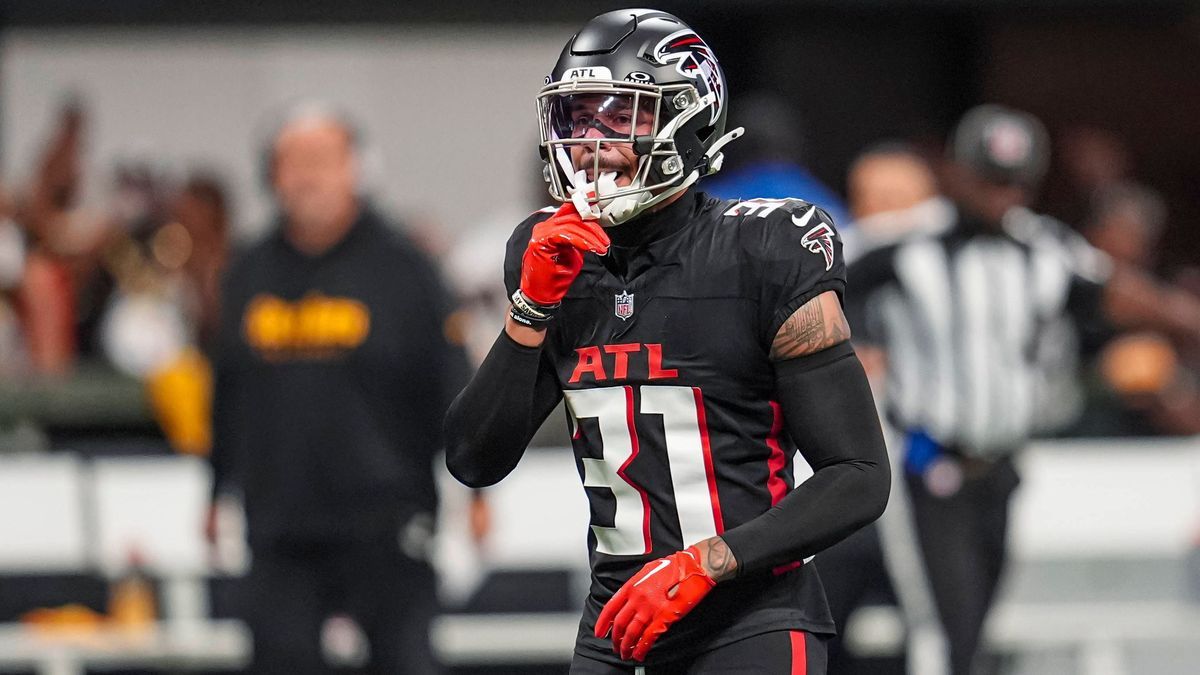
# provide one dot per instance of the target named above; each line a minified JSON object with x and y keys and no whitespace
{"x":970,"y":319}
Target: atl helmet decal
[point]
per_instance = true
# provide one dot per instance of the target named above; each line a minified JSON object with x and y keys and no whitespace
{"x":695,"y":61}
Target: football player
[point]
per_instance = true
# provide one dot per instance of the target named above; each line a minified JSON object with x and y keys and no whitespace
{"x":697,"y":343}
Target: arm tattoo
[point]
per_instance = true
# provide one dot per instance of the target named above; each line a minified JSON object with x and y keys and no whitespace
{"x":818,"y":325}
{"x":719,"y":562}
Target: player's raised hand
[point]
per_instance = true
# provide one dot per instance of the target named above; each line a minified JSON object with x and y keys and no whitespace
{"x":555,"y":254}
{"x":551,"y":262}
{"x":659,"y":595}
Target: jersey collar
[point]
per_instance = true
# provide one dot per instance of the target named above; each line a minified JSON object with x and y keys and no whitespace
{"x":651,"y":227}
{"x":650,"y":242}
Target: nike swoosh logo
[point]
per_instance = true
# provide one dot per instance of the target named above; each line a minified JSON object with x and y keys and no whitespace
{"x":803,"y":222}
{"x":661,"y":564}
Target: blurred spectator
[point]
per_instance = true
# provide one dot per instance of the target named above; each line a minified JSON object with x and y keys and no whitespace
{"x":1143,"y":385}
{"x":127,"y":289}
{"x":893,"y":194}
{"x":334,"y":369}
{"x":197,"y":244}
{"x":1092,"y":160}
{"x":767,"y":162}
{"x":886,"y":178}
{"x":45,"y":299}
{"x":188,"y":255}
{"x":148,"y":299}
{"x":78,"y":265}
{"x":1127,"y":222}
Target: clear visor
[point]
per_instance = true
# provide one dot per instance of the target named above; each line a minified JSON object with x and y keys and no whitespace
{"x":616,"y":116}
{"x":582,"y":119}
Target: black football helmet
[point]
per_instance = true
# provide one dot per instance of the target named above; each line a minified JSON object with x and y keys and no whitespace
{"x":636,"y":76}
{"x":1002,"y":145}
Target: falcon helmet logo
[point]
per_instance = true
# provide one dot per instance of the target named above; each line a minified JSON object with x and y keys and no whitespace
{"x":695,"y":61}
{"x":820,"y":240}
{"x":623,"y":306}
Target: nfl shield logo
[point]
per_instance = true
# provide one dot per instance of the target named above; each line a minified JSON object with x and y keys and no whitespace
{"x":624,"y":305}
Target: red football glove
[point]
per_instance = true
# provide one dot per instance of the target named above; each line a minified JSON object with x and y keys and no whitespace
{"x":660,"y":594}
{"x":555,"y":254}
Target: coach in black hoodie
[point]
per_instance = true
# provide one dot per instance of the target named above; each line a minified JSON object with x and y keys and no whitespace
{"x":334,"y":370}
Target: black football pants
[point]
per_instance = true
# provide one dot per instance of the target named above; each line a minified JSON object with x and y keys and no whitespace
{"x":774,"y":653}
{"x":293,"y":588}
{"x":961,"y":539}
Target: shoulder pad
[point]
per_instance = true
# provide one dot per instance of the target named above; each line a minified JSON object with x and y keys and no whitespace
{"x":764,"y":208}
{"x":794,"y":251}
{"x":788,"y":228}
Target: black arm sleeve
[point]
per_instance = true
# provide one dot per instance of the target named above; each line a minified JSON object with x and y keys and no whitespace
{"x":492,"y":421}
{"x":830,"y":414}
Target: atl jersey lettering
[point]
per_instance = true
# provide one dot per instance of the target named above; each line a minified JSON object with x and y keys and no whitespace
{"x":661,"y":350}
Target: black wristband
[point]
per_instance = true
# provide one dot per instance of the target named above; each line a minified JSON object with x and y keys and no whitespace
{"x":529,"y":313}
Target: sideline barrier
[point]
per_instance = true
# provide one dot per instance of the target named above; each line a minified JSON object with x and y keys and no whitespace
{"x":1084,"y":507}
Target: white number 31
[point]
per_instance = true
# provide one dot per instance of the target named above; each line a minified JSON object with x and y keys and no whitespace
{"x":689,"y":458}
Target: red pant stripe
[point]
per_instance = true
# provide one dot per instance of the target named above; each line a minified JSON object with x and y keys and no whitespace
{"x":799,"y":655}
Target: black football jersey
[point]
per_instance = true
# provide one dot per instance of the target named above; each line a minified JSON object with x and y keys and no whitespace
{"x":661,"y":351}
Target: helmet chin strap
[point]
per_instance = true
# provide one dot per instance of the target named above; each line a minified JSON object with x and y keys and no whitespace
{"x":612,"y":211}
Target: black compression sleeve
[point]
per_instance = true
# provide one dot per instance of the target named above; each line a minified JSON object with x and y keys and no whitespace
{"x":493,"y":419}
{"x":830,"y":414}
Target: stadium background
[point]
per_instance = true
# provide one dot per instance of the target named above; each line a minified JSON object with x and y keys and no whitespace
{"x":1105,"y":528}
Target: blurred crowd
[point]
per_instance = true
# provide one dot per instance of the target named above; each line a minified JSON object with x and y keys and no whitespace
{"x":1111,"y":381}
{"x":133,"y":286}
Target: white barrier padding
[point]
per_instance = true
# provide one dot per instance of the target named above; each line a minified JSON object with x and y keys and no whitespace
{"x":152,"y":508}
{"x":41,"y":516}
{"x":1125,"y":499}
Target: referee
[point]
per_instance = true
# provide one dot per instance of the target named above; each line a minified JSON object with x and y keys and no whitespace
{"x":968,"y":322}
{"x":333,"y":374}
